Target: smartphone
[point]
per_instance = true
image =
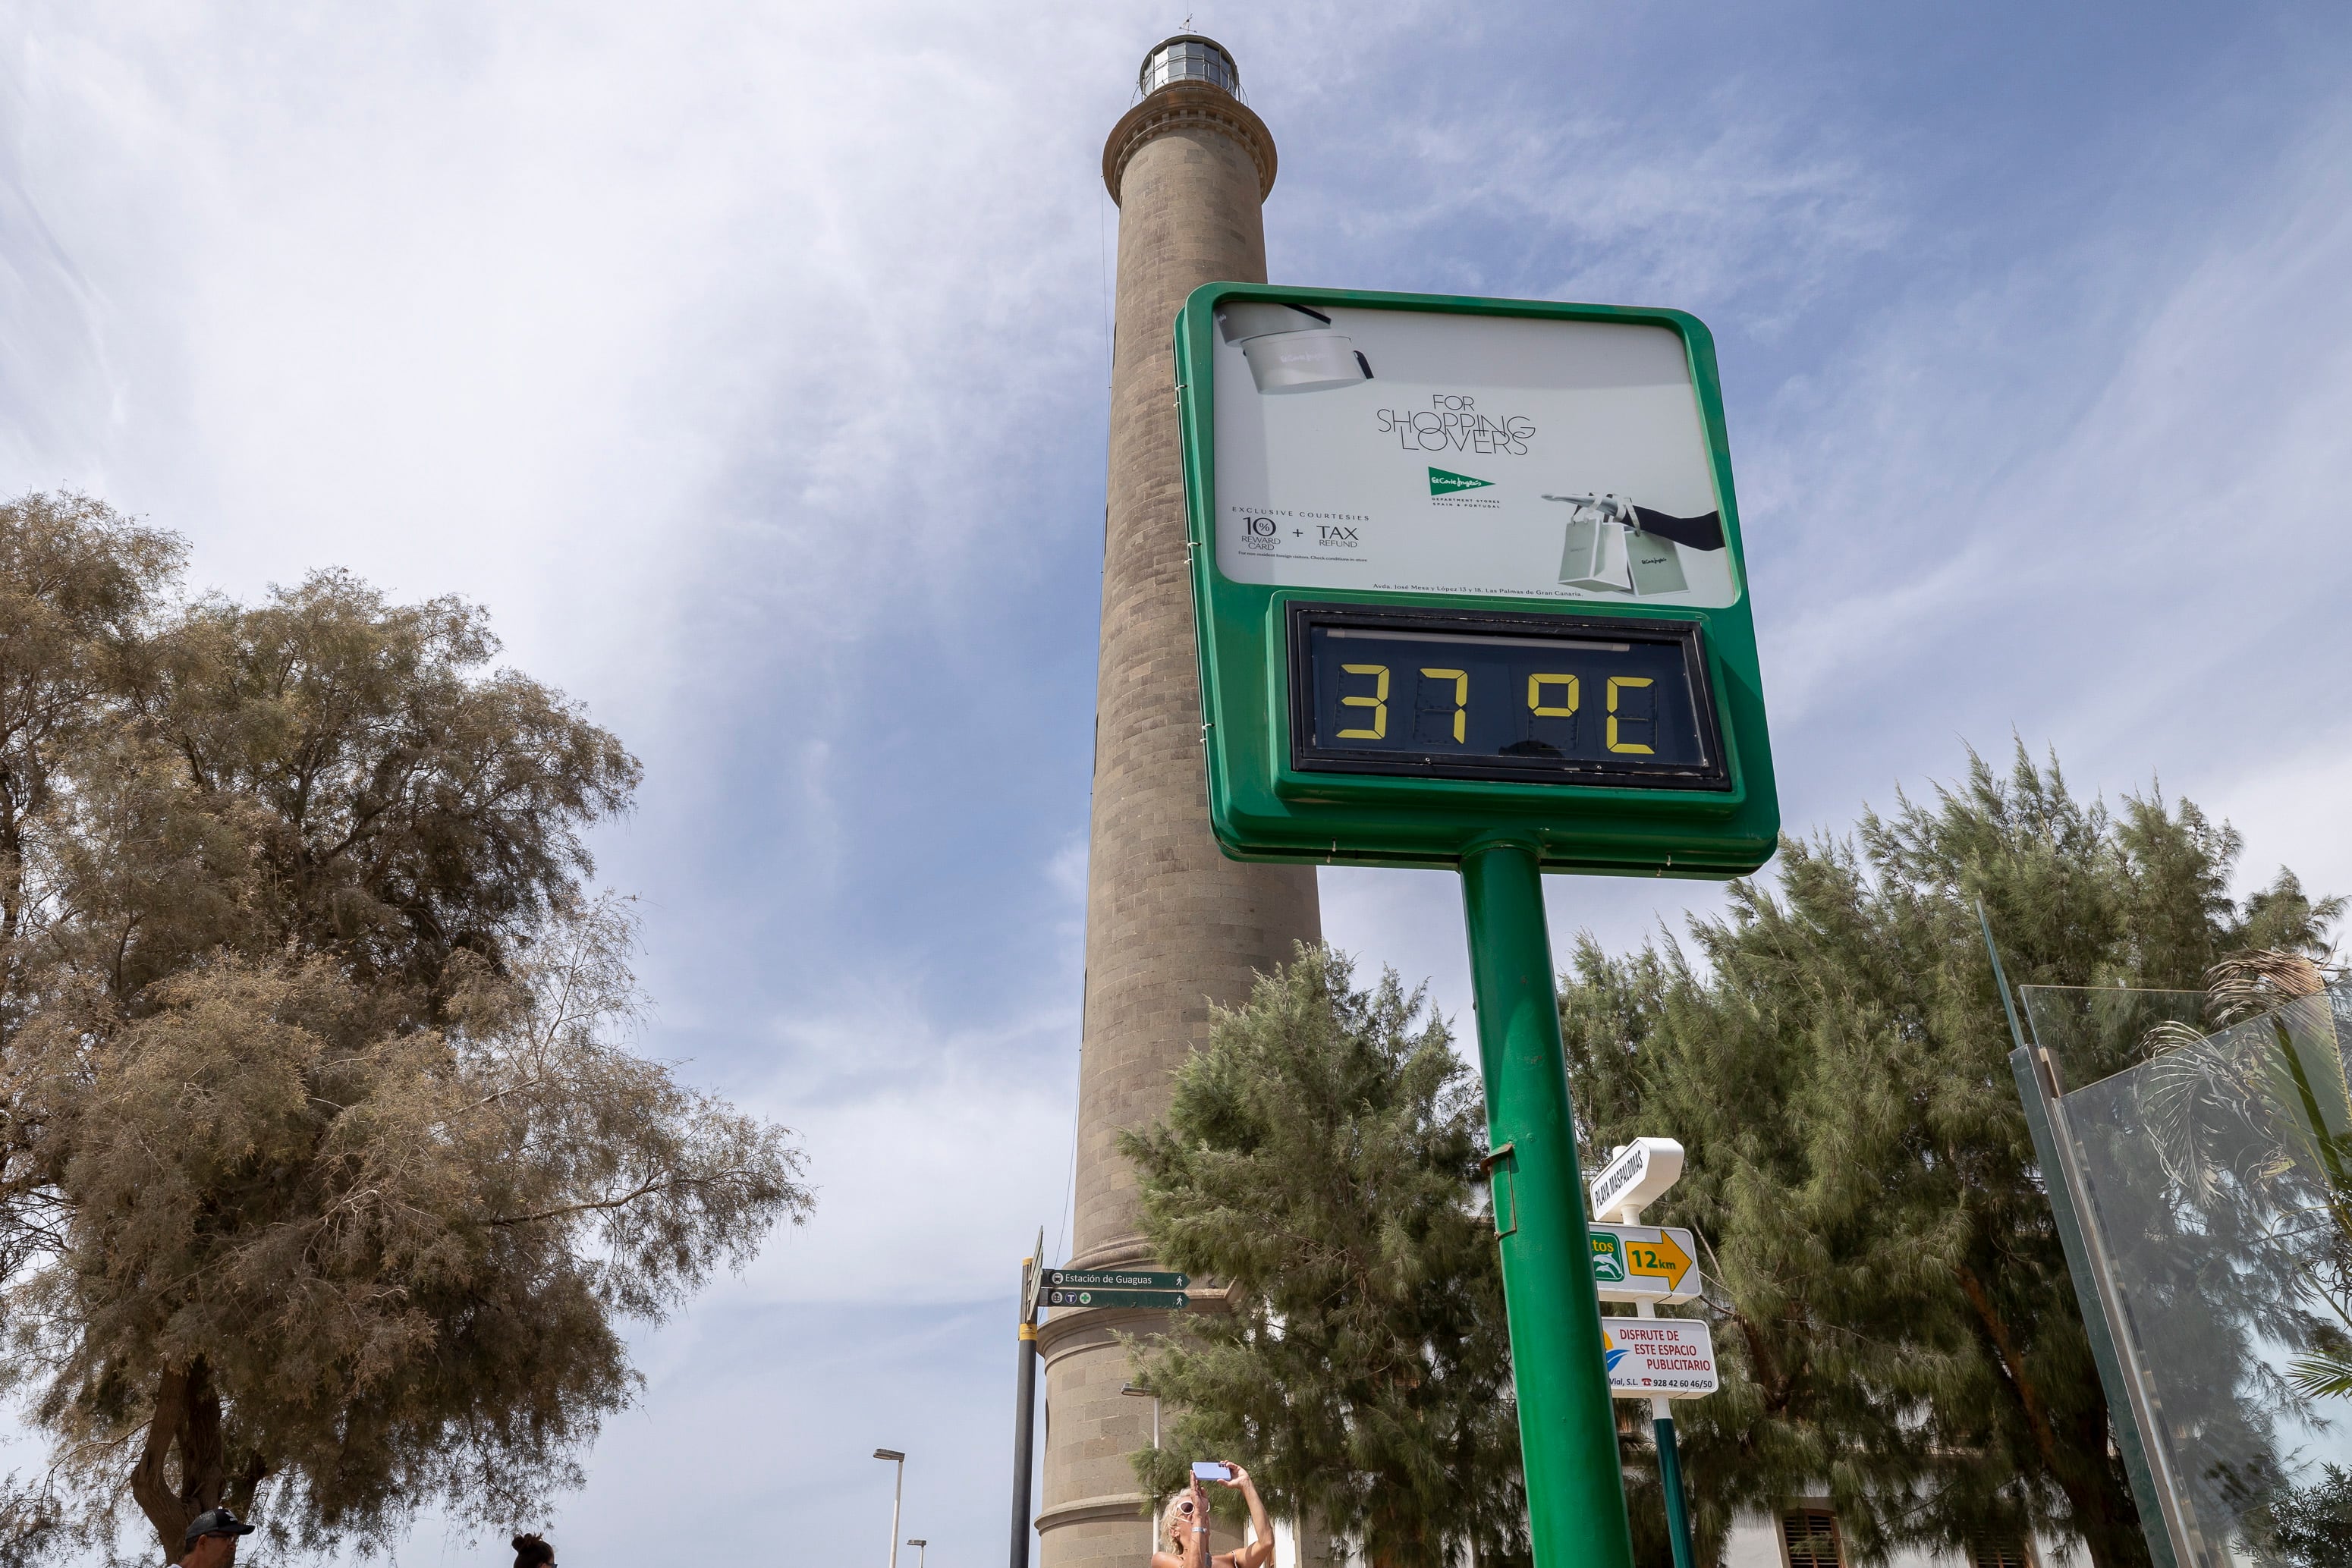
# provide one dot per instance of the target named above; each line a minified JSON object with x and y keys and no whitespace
{"x":1212,"y":1470}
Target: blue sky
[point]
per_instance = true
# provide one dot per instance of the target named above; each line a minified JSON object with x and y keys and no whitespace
{"x":749,"y":362}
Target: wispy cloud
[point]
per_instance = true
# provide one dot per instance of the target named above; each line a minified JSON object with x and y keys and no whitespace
{"x":750,"y":365}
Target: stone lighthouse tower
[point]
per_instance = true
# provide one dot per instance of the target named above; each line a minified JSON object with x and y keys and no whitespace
{"x":1172,"y":924}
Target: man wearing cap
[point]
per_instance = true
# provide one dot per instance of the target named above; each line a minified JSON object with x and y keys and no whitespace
{"x":212,"y":1538}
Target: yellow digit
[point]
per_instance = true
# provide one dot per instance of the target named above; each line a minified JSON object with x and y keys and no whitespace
{"x":1377,"y":702}
{"x":1461,"y":680}
{"x":1536,"y":684}
{"x":1615,"y":683}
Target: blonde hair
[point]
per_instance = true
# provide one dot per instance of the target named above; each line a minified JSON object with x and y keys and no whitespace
{"x":1172,"y":1519}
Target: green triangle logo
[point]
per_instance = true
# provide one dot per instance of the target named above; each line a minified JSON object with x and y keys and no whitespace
{"x":1442,"y":483}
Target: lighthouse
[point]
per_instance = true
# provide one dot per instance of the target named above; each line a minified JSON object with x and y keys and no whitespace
{"x":1172,"y":926}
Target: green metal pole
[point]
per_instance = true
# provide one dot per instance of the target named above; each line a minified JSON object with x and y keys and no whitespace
{"x":1568,"y":1430}
{"x":1670,"y":1480}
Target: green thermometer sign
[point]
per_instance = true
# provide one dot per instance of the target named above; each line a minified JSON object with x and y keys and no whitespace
{"x":1468,"y":567}
{"x":1469,"y":593}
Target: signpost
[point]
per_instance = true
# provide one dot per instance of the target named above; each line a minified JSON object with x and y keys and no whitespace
{"x":1643,"y":1263}
{"x":1173,"y":1301}
{"x":1637,"y":1175}
{"x":1115,"y":1280}
{"x":1068,"y":1287}
{"x":1654,"y":1357}
{"x":1117,"y":1288}
{"x":1469,"y":593}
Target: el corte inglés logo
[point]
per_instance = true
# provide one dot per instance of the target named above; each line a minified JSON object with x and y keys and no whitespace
{"x":1442,"y":483}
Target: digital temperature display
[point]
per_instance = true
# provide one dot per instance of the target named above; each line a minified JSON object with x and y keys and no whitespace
{"x":1548,"y":699}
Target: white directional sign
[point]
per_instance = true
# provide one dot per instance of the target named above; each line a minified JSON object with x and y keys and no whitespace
{"x":1645,"y":1264}
{"x":1659,"y":1358}
{"x":1639,"y":1175}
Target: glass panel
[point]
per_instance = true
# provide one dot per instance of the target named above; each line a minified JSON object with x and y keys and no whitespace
{"x":1188,"y":61}
{"x":2092,"y":1031}
{"x":2218,"y":1177}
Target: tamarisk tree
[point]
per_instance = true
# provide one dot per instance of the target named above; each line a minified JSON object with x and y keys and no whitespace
{"x":327,"y":1180}
{"x":1320,"y":1158}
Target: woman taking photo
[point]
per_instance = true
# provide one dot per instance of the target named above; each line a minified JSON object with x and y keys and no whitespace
{"x":1185,"y":1527}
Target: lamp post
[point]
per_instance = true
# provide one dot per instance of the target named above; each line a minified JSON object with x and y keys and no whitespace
{"x":897,"y":1494}
{"x":922,"y":1549}
{"x":1132,"y":1392}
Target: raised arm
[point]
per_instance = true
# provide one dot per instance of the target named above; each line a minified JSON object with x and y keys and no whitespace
{"x":1260,"y":1550}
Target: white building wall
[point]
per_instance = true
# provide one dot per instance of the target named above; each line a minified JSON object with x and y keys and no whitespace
{"x":1755,"y":1542}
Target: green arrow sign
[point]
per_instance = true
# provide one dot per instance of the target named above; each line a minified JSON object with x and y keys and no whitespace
{"x":1114,"y":1280}
{"x":1167,"y":1300}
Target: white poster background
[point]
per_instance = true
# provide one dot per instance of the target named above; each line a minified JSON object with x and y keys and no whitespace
{"x":1332,"y":487}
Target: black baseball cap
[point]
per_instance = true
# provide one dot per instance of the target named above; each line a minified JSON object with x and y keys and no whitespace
{"x":215,"y":1521}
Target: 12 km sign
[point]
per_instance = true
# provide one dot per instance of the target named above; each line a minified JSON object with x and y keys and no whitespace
{"x":1645,"y":1264}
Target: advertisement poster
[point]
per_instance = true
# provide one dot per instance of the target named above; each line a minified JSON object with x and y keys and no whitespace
{"x":1671,"y":1358}
{"x":1409,"y":451}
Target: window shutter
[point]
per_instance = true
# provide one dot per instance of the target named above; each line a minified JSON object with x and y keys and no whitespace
{"x":1811,"y":1537}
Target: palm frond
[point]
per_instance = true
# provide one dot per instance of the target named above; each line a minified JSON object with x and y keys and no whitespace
{"x":2248,"y":984}
{"x":2327,"y":1375}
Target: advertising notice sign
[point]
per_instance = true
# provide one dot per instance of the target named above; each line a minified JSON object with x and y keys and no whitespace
{"x":1670,"y":1358}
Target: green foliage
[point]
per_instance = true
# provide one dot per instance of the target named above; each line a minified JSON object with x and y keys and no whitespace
{"x":323,"y":1180}
{"x":397,"y":804}
{"x":2308,"y":1526}
{"x":1320,"y":1158}
{"x":1894,"y":1313}
{"x":32,"y":1526}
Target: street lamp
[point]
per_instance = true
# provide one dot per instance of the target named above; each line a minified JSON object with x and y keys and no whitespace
{"x":1132,"y":1392}
{"x":921,"y":1546}
{"x":897,"y":1494}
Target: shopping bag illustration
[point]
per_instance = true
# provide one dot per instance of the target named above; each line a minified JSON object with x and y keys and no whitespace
{"x":1616,"y":547}
{"x":1596,"y":558}
{"x":1656,"y":567}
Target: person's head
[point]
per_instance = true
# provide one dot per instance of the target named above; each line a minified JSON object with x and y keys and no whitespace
{"x":1176,"y":1520}
{"x":211,"y":1541}
{"x":531,"y":1551}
